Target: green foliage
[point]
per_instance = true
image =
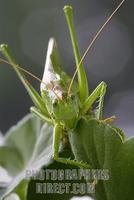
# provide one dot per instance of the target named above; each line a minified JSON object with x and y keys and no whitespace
{"x":103,"y":147}
{"x":100,"y":144}
{"x":26,"y":146}
{"x":32,"y":195}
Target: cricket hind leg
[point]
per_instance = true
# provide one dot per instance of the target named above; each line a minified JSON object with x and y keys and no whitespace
{"x":58,"y":132}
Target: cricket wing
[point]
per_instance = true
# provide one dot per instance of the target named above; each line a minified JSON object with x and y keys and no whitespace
{"x":52,"y":65}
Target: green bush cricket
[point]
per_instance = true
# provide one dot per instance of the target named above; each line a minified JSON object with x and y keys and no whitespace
{"x":63,"y":102}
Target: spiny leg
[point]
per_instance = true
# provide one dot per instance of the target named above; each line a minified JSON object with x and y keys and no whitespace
{"x":58,"y":132}
{"x":99,"y":92}
{"x":99,"y":110}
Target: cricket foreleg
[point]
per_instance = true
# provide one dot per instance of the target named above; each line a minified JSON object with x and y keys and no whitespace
{"x":99,"y":92}
{"x":41,"y":115}
{"x":58,"y":132}
{"x":99,"y":110}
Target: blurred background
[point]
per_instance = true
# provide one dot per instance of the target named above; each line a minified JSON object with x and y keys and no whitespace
{"x":26,"y":27}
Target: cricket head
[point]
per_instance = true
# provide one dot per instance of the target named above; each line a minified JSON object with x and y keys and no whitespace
{"x":66,"y":108}
{"x":62,"y":106}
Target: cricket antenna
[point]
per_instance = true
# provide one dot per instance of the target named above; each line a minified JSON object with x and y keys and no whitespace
{"x":26,"y":72}
{"x":22,"y":69}
{"x":92,"y":42}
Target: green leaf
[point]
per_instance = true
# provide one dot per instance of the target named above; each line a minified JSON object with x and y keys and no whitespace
{"x":26,"y":146}
{"x":12,"y":196}
{"x":21,"y":189}
{"x":33,"y":195}
{"x":124,"y":171}
{"x":104,"y":147}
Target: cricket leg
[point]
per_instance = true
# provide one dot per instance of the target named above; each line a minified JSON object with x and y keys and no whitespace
{"x":41,"y":115}
{"x":58,"y":132}
{"x":36,"y":98}
{"x":99,"y":110}
{"x":82,"y":79}
{"x":99,"y":92}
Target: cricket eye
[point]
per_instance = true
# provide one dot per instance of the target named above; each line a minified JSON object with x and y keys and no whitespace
{"x":55,"y":103}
